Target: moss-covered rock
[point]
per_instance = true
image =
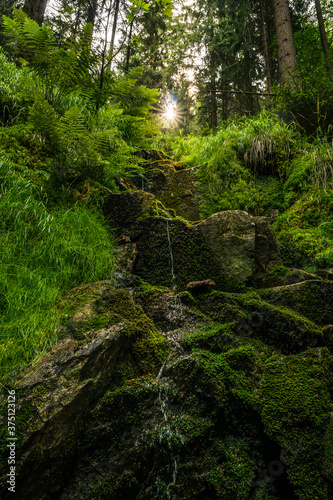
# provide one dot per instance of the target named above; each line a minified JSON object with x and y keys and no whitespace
{"x":171,"y":183}
{"x":221,"y":248}
{"x":295,"y":403}
{"x":239,"y":407}
{"x":281,"y":275}
{"x":123,"y":210}
{"x":121,"y":343}
{"x":253,"y":318}
{"x":312,"y":298}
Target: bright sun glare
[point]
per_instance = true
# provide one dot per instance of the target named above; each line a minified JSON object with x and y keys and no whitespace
{"x":170,"y":113}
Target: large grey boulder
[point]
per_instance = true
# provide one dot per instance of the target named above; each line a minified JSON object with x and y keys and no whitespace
{"x":231,"y":248}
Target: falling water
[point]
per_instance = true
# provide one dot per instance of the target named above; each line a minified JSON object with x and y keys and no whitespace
{"x":167,"y":433}
{"x":170,"y":250}
{"x":160,"y":372}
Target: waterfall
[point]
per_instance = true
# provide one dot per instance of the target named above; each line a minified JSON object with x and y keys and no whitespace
{"x":170,"y":250}
{"x":169,"y":436}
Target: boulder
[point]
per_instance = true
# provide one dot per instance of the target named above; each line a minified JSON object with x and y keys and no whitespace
{"x":311,"y":298}
{"x":54,"y":395}
{"x":224,"y":248}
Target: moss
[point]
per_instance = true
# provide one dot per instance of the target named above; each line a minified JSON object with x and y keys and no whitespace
{"x":150,"y":348}
{"x":212,"y":337}
{"x":254,"y":318}
{"x":295,"y":409}
{"x":328,"y":452}
{"x":169,"y":254}
{"x":311,"y":298}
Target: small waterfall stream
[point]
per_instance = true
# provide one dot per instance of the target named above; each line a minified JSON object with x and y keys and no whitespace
{"x":169,"y":437}
{"x":171,"y":254}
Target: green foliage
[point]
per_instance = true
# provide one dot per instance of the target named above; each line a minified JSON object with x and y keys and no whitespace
{"x":14,"y":100}
{"x":86,"y":118}
{"x":43,"y":254}
{"x":305,"y":231}
{"x":243,"y":165}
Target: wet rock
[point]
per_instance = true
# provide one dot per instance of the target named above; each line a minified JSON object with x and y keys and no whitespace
{"x":174,"y":185}
{"x":124,"y":209}
{"x":222,"y":248}
{"x":168,"y":311}
{"x":117,"y":415}
{"x":123,"y":239}
{"x":125,"y":256}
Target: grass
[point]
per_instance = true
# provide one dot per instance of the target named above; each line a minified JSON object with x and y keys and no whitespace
{"x":42,"y":255}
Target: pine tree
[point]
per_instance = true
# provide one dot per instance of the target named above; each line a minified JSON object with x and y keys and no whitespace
{"x":285,"y":43}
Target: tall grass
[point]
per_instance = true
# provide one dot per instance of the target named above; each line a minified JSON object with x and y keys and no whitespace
{"x":234,"y":160}
{"x":42,"y":255}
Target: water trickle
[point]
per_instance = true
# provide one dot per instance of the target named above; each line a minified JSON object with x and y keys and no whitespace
{"x":170,"y":250}
{"x":164,"y":404}
{"x":174,"y":474}
{"x":169,"y":437}
{"x":160,"y":372}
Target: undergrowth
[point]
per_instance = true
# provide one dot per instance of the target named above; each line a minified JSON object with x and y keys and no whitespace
{"x":44,"y":253}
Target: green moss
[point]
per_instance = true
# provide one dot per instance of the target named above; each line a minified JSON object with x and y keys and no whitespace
{"x":171,"y":246}
{"x":287,"y":330}
{"x":311,"y":299}
{"x":295,"y":408}
{"x":212,"y":337}
{"x":149,"y":348}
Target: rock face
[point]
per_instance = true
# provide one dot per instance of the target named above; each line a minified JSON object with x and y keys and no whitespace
{"x":54,"y":395}
{"x":171,"y":183}
{"x":231,"y":247}
{"x":224,"y":248}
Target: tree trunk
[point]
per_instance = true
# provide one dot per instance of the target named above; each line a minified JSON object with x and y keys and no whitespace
{"x":35,"y":9}
{"x":323,"y":38}
{"x":92,"y":11}
{"x":114,"y":29}
{"x":269,"y":71}
{"x":285,"y":43}
{"x":128,"y":52}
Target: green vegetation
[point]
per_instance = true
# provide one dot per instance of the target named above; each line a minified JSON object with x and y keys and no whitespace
{"x":265,"y":167}
{"x":64,"y":134}
{"x":164,"y":388}
{"x":44,"y":253}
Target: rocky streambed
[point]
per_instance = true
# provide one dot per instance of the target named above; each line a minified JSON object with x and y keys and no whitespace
{"x":203,"y":371}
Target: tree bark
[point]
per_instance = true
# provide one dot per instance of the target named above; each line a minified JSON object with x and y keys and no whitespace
{"x":285,"y":43}
{"x":35,"y":9}
{"x":269,"y":71}
{"x":128,"y":51}
{"x":323,"y":38}
{"x":114,"y":29}
{"x":92,"y":11}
